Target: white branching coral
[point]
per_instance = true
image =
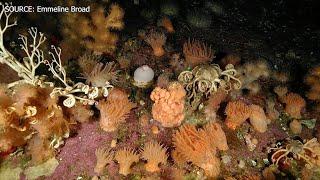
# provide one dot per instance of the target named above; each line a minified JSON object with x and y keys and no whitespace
{"x":35,"y":57}
{"x":70,"y":90}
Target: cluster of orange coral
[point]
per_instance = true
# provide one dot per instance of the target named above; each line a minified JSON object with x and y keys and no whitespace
{"x":194,"y":146}
{"x":156,"y":40}
{"x":114,"y":110}
{"x":238,"y":112}
{"x":294,"y":104}
{"x":197,"y":52}
{"x":93,"y":33}
{"x":313,"y":80}
{"x":168,"y":108}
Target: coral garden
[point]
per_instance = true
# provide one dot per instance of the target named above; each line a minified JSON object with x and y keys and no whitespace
{"x":98,"y":95}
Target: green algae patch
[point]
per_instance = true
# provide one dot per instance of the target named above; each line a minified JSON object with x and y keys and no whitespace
{"x":44,"y":169}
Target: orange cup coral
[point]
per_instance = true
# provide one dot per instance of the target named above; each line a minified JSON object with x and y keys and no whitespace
{"x":168,"y":108}
{"x":237,"y":113}
{"x":114,"y":110}
{"x":294,"y":104}
{"x":156,"y":40}
{"x":126,"y":157}
{"x":155,"y":154}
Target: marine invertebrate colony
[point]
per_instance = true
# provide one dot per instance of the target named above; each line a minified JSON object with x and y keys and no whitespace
{"x":168,"y":108}
{"x":104,"y":156}
{"x":114,"y":110}
{"x":94,"y":33}
{"x":206,"y":79}
{"x":197,"y":52}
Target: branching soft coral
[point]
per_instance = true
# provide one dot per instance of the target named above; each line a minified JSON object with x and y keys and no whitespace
{"x":114,"y":110}
{"x":197,"y":52}
{"x":294,"y":104}
{"x":313,"y":80}
{"x":94,"y":32}
{"x":156,"y":40}
{"x":155,"y":154}
{"x":104,"y":156}
{"x":126,"y":157}
{"x":193,"y":146}
{"x":168,"y":108}
{"x":237,"y":113}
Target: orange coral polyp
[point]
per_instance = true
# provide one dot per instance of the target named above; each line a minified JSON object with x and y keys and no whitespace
{"x":197,"y":52}
{"x":156,"y":41}
{"x":294,"y":104}
{"x":155,"y":154}
{"x":114,"y":110}
{"x":237,"y":113}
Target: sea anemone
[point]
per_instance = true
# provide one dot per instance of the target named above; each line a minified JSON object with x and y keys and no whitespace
{"x":216,"y":136}
{"x":114,"y":110}
{"x":294,"y":104}
{"x":237,"y":113}
{"x":295,"y":126}
{"x":155,"y":154}
{"x":101,"y":74}
{"x":193,"y":146}
{"x":258,"y":118}
{"x":104,"y":156}
{"x":156,"y":40}
{"x":126,"y":157}
{"x":197,"y":52}
{"x":167,"y":24}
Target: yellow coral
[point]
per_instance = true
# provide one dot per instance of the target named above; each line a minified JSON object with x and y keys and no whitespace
{"x":155,"y":154}
{"x":168,"y":108}
{"x":114,"y":110}
{"x":126,"y":157}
